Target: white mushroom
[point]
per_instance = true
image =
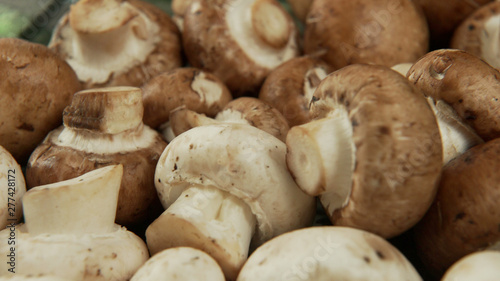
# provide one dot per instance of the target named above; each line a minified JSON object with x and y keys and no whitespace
{"x":478,"y":266}
{"x":13,"y":188}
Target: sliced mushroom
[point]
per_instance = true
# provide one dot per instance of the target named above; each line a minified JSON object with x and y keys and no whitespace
{"x":103,"y":127}
{"x":290,"y":87}
{"x":35,"y":87}
{"x":465,"y":215}
{"x":479,"y":266}
{"x":385,"y":32}
{"x":117,"y":42}
{"x":479,"y":34}
{"x":69,"y":231}
{"x":243,"y":110}
{"x":328,"y":253}
{"x":224,"y":188}
{"x":13,"y":188}
{"x":196,"y":89}
{"x":245,"y":41}
{"x":180,"y":264}
{"x":372,"y":153}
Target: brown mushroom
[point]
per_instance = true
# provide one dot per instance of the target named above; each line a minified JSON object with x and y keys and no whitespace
{"x":465,"y":216}
{"x":372,"y":153}
{"x":117,"y":42}
{"x":385,"y":32}
{"x":104,"y":127}
{"x":35,"y":87}
{"x":179,"y":8}
{"x":245,"y":41}
{"x":479,"y":33}
{"x":290,"y":87}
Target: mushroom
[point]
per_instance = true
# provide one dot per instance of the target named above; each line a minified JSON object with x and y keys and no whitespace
{"x":226,"y":189}
{"x":479,"y":266}
{"x":19,"y":277}
{"x":103,"y":127}
{"x":13,"y":188}
{"x":300,"y":8}
{"x":385,"y":32}
{"x":290,"y":87}
{"x":465,"y":214}
{"x":245,"y":41}
{"x":180,"y":264}
{"x":117,"y":42}
{"x":243,"y":110}
{"x":328,"y":253}
{"x":35,"y":87}
{"x":194,"y":88}
{"x":402,"y":68}
{"x":444,"y":16}
{"x":69,"y":231}
{"x":372,"y":153}
{"x":479,"y":33}
{"x":179,"y":8}
{"x":464,"y":92}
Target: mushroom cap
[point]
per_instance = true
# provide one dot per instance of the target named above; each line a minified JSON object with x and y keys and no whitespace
{"x":465,"y":212}
{"x":194,"y":88}
{"x":290,"y":86}
{"x":14,"y":187}
{"x":180,"y":264}
{"x":397,"y":147}
{"x":478,"y":34}
{"x":327,"y":253}
{"x":231,"y":47}
{"x":468,"y":84}
{"x":243,"y":161}
{"x":479,"y":266}
{"x":127,"y":64}
{"x":359,"y":31}
{"x":300,"y":8}
{"x":111,"y":256}
{"x":35,"y":87}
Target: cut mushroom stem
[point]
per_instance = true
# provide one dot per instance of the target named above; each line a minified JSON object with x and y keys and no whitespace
{"x":210,"y":218}
{"x":270,"y":23}
{"x":321,"y":157}
{"x":86,"y":204}
{"x":456,"y":136}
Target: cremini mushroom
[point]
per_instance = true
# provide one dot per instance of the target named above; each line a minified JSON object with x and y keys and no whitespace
{"x":243,"y":110}
{"x":13,"y":188}
{"x":478,"y":266}
{"x":35,"y":87}
{"x":245,"y":41}
{"x":385,"y":32}
{"x":479,"y":33}
{"x":328,"y":253}
{"x":464,"y":92}
{"x":69,"y":231}
{"x":465,"y":215}
{"x":180,"y":264}
{"x":290,"y":87}
{"x":117,"y":42}
{"x":372,"y":152}
{"x":226,"y":188}
{"x":103,"y":127}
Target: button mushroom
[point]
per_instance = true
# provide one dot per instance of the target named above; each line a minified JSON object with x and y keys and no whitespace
{"x":243,"y":110}
{"x":35,"y":87}
{"x":13,"y":188}
{"x":465,"y":216}
{"x":372,"y":153}
{"x":117,"y":42}
{"x":226,"y":187}
{"x":290,"y":87}
{"x":69,"y":231}
{"x":245,"y":41}
{"x":180,"y":264}
{"x":328,"y":253}
{"x":465,"y":93}
{"x":103,"y":127}
{"x":479,"y":266}
{"x":385,"y":32}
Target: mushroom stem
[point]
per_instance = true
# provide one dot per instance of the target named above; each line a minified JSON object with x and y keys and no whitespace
{"x":321,"y":157}
{"x":86,"y":204}
{"x":270,"y":23}
{"x":456,"y":136}
{"x":208,"y":219}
